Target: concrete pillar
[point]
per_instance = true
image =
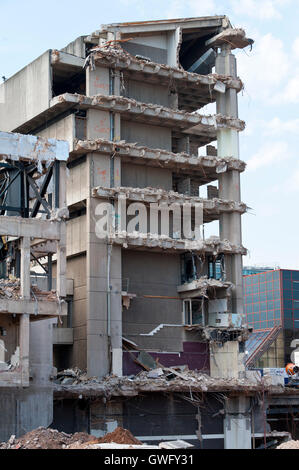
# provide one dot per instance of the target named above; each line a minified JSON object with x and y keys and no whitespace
{"x":104,"y":303}
{"x":229,"y":183}
{"x":24,"y":318}
{"x":104,"y":309}
{"x":237,"y":423}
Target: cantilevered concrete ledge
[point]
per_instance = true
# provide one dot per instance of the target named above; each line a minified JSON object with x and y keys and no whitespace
{"x":38,"y":308}
{"x":133,"y":110}
{"x":206,"y":167}
{"x":212,"y":208}
{"x":235,"y":38}
{"x":34,"y":228}
{"x":145,"y":241}
{"x":149,"y":113}
{"x":66,"y":60}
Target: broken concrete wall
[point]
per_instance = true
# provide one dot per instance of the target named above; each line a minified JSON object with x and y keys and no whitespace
{"x":76,"y":47}
{"x":26,"y":94}
{"x":9,"y":334}
{"x":23,"y":410}
{"x":31,"y":409}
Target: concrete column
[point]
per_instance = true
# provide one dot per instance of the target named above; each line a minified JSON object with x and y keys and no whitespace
{"x":61,"y":262}
{"x":229,"y":183}
{"x":25,"y":318}
{"x":104,"y":303}
{"x":104,"y":309}
{"x":237,"y":423}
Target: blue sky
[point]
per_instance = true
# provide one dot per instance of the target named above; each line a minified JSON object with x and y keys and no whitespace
{"x":269,"y":103}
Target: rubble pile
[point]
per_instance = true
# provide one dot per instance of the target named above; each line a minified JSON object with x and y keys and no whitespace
{"x":74,"y":383}
{"x":72,"y":377}
{"x":43,"y":438}
{"x":289,"y":445}
{"x":118,"y":436}
{"x":10,"y":289}
{"x":43,"y":295}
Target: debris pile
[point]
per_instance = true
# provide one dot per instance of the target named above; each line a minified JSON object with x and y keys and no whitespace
{"x":43,"y":438}
{"x":118,"y":436}
{"x":10,"y":289}
{"x":74,"y":383}
{"x":72,"y":377}
{"x":289,"y":445}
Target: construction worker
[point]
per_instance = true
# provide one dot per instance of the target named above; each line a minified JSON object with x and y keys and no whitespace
{"x":291,"y":369}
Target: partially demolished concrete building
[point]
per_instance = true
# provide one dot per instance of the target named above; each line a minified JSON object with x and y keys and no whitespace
{"x":129,"y":100}
{"x":33,"y":228}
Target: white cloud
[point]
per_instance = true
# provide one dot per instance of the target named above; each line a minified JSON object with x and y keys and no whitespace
{"x":290,"y":92}
{"x":260,"y":9}
{"x":269,"y":153}
{"x":276,"y":126}
{"x":264,"y":69}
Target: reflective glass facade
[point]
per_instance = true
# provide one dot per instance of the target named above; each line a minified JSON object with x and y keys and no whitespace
{"x":262,"y":296}
{"x":272,"y":298}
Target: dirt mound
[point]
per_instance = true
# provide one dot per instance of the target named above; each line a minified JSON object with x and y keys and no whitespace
{"x":119,"y":436}
{"x":289,"y":445}
{"x":43,"y":438}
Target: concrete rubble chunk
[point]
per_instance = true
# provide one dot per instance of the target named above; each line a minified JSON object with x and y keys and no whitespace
{"x":155,"y":374}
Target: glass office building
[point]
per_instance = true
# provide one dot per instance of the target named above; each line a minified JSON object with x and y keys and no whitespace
{"x":247,"y":270}
{"x":271,"y":299}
